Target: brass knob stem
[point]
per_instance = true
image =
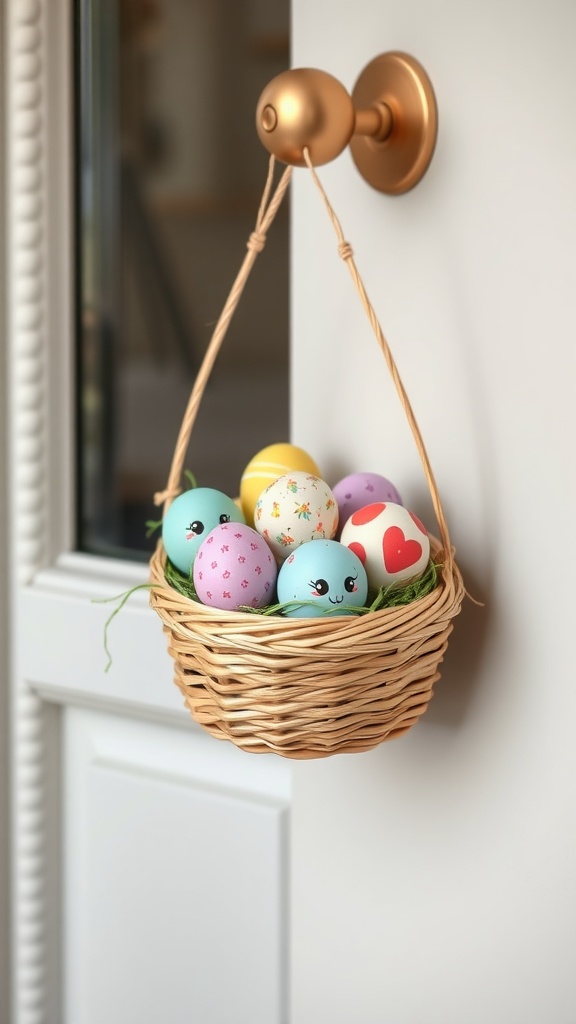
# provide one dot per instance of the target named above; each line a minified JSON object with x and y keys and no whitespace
{"x":375,"y":122}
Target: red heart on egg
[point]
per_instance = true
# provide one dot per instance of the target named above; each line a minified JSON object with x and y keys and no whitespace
{"x":399,"y":553}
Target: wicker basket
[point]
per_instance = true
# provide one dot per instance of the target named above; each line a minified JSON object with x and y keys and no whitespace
{"x":309,"y":687}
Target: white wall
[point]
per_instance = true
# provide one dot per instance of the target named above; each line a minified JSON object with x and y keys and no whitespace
{"x":434,"y":877}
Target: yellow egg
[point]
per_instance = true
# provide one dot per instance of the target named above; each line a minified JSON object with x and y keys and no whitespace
{"x":266,"y":466}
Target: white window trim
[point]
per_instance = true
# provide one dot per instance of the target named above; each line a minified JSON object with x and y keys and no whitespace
{"x":52,"y":589}
{"x":4,"y":633}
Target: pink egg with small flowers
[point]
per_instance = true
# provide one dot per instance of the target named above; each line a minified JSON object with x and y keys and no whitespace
{"x":234,"y":568}
{"x":390,"y":541}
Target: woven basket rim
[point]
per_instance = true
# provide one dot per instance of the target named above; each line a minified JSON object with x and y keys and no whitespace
{"x":307,"y":687}
{"x":337,"y":625}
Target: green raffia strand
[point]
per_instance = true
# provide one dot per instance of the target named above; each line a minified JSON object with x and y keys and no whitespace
{"x":183,"y":584}
{"x":387,"y":597}
{"x":191,"y":479}
{"x":279,"y":609}
{"x":122,"y":598}
{"x":396,"y":594}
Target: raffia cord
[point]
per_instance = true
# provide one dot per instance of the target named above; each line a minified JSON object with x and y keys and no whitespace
{"x":346,"y":253}
{"x":266,"y":214}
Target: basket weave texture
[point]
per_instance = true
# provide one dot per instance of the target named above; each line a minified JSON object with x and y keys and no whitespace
{"x":305,"y":687}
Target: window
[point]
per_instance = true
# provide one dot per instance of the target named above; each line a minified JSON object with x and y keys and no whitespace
{"x":169,"y":174}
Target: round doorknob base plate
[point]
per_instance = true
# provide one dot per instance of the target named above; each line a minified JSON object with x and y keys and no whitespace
{"x":396,"y":164}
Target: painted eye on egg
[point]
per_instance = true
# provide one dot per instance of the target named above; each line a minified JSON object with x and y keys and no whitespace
{"x":350,"y":584}
{"x":320,"y":586}
{"x":190,"y":518}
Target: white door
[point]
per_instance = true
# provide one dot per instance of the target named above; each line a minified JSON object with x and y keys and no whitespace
{"x":431,"y":879}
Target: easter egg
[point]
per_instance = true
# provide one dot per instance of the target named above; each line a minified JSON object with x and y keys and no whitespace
{"x":266,"y":466}
{"x":296,"y":508}
{"x":189,"y":520}
{"x":390,"y":541}
{"x":359,"y":489}
{"x":234,"y":567}
{"x":327,"y":577}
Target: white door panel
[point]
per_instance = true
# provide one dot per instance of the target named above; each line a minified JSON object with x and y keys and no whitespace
{"x":173,"y":860}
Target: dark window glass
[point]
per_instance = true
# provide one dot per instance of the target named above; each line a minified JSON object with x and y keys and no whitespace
{"x":169,"y":175}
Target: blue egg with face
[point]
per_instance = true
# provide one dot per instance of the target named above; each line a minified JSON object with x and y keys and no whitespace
{"x":327,"y":577}
{"x":189,"y":520}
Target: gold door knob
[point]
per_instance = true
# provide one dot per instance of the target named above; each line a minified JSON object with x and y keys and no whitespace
{"x":305,"y":107}
{"x":390,"y":121}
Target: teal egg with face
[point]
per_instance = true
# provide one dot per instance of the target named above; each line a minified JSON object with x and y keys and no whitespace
{"x":189,"y":520}
{"x":322,"y":577}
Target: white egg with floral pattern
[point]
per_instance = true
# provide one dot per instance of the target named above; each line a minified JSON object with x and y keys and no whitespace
{"x":295,"y":509}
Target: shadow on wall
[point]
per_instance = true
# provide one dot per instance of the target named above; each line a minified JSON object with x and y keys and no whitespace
{"x":461,"y":669}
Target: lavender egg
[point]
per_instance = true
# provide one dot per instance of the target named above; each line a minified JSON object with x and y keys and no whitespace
{"x":355,"y":491}
{"x":234,"y":567}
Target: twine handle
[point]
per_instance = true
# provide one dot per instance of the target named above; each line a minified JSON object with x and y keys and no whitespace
{"x":255,"y":244}
{"x":346,"y":253}
{"x":266,"y":213}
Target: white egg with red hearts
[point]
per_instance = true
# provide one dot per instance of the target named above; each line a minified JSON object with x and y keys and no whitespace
{"x":296,"y":508}
{"x":390,"y":541}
